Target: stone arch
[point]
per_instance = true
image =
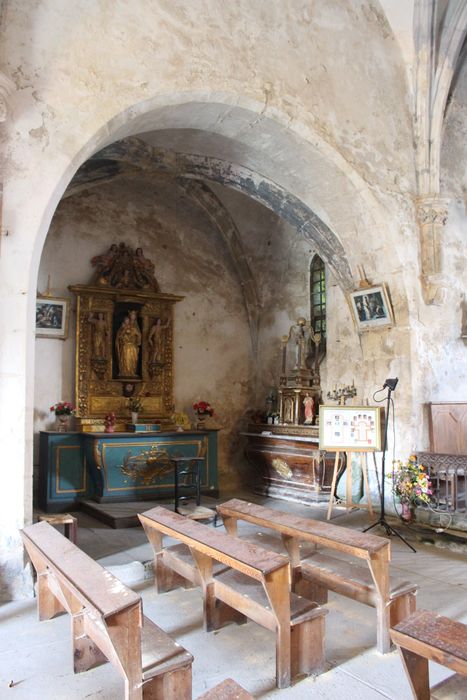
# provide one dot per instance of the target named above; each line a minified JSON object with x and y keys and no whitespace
{"x":313,"y":169}
{"x":285,"y":204}
{"x":300,"y":164}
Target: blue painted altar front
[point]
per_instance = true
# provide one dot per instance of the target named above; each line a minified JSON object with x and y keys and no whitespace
{"x":114,"y":467}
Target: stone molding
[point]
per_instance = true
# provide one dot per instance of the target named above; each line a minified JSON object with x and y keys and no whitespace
{"x":432,"y":215}
{"x":7,"y":88}
{"x":438,"y":42}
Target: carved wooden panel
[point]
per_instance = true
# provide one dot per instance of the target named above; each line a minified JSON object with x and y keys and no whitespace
{"x":448,"y":427}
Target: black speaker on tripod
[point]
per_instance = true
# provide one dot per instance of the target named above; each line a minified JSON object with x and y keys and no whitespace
{"x":390,"y":385}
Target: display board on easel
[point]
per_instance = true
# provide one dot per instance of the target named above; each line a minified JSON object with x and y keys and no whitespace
{"x":350,"y":429}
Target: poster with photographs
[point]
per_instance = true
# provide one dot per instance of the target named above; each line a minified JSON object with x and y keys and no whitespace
{"x":352,"y":428}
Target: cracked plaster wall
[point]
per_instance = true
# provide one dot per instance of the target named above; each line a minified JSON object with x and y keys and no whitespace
{"x":212,"y":350}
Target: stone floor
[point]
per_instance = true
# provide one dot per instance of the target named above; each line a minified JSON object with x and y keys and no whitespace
{"x":35,"y":658}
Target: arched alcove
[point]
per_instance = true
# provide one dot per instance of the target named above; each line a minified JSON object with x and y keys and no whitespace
{"x":297,"y":179}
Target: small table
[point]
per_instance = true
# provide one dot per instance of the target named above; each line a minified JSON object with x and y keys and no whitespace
{"x":187,"y":467}
{"x":69,"y":522}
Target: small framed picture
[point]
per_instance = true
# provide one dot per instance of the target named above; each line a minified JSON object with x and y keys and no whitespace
{"x":350,"y":428}
{"x":371,"y":307}
{"x":52,"y":317}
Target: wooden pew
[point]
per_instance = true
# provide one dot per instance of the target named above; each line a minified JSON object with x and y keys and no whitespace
{"x":227,"y":690}
{"x":314,"y":575}
{"x":426,"y":636}
{"x":106,"y":619}
{"x":254,"y":584}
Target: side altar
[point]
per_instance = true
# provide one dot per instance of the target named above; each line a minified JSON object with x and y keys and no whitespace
{"x":116,"y":467}
{"x":284,"y":452}
{"x":124,"y":366}
{"x":289,"y":466}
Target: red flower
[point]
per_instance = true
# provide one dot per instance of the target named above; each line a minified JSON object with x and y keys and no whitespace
{"x":203,"y":407}
{"x":63,"y":408}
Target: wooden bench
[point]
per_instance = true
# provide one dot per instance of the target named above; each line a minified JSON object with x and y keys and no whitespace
{"x":254,"y":584}
{"x":318,"y":572}
{"x":227,"y":690}
{"x":426,"y":636}
{"x":69,"y":522}
{"x":106,"y":619}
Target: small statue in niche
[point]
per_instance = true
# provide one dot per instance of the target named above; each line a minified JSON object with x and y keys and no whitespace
{"x":127,"y":345}
{"x":309,"y":411}
{"x":288,"y":410}
{"x":156,"y":340}
{"x":99,"y":335}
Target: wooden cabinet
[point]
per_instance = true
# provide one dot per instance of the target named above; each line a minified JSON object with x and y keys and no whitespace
{"x":289,"y":467}
{"x":63,"y":473}
{"x":448,"y":428}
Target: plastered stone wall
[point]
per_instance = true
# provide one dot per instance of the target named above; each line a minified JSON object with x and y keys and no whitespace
{"x":212,"y":350}
{"x":313,"y":96}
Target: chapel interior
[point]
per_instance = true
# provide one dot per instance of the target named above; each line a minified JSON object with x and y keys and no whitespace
{"x":233,"y":241}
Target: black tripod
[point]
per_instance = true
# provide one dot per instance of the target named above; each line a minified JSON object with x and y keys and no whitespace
{"x":390,"y":384}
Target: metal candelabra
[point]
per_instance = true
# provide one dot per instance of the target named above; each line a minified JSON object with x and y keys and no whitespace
{"x":342,"y":394}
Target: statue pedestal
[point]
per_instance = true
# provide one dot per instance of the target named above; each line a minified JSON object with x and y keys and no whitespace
{"x":298,"y":405}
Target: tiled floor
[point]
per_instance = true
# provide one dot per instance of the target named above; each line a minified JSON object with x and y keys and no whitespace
{"x":36,"y":657}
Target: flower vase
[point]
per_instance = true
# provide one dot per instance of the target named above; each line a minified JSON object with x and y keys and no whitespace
{"x":134,"y":417}
{"x":408,"y":512}
{"x":201,"y":418}
{"x":63,"y":423}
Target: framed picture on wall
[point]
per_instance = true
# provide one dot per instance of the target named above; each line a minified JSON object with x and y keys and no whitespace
{"x":52,"y":317}
{"x":350,"y":428}
{"x":371,"y":307}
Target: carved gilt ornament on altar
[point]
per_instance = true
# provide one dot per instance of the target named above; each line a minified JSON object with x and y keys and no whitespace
{"x":124,"y":340}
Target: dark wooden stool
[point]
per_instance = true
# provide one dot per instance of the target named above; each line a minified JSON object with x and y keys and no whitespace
{"x":69,"y":522}
{"x":188,"y":469}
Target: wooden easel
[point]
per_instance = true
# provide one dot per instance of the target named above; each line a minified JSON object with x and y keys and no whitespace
{"x":348,"y":483}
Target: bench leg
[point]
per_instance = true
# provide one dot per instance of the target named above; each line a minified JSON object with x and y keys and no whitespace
{"x":416,"y":668}
{"x":166,"y":579}
{"x":217,"y":613}
{"x":307,"y":647}
{"x":308,"y":589}
{"x":71,"y":530}
{"x":86,"y":654}
{"x":174,"y":685}
{"x":47,"y":603}
{"x":383,"y":636}
{"x":401,"y":607}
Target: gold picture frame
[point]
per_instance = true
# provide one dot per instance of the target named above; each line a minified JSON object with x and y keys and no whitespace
{"x":350,"y":428}
{"x":371,"y":307}
{"x":52,"y":317}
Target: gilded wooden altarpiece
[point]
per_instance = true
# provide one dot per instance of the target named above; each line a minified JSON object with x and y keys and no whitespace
{"x":124,"y":341}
